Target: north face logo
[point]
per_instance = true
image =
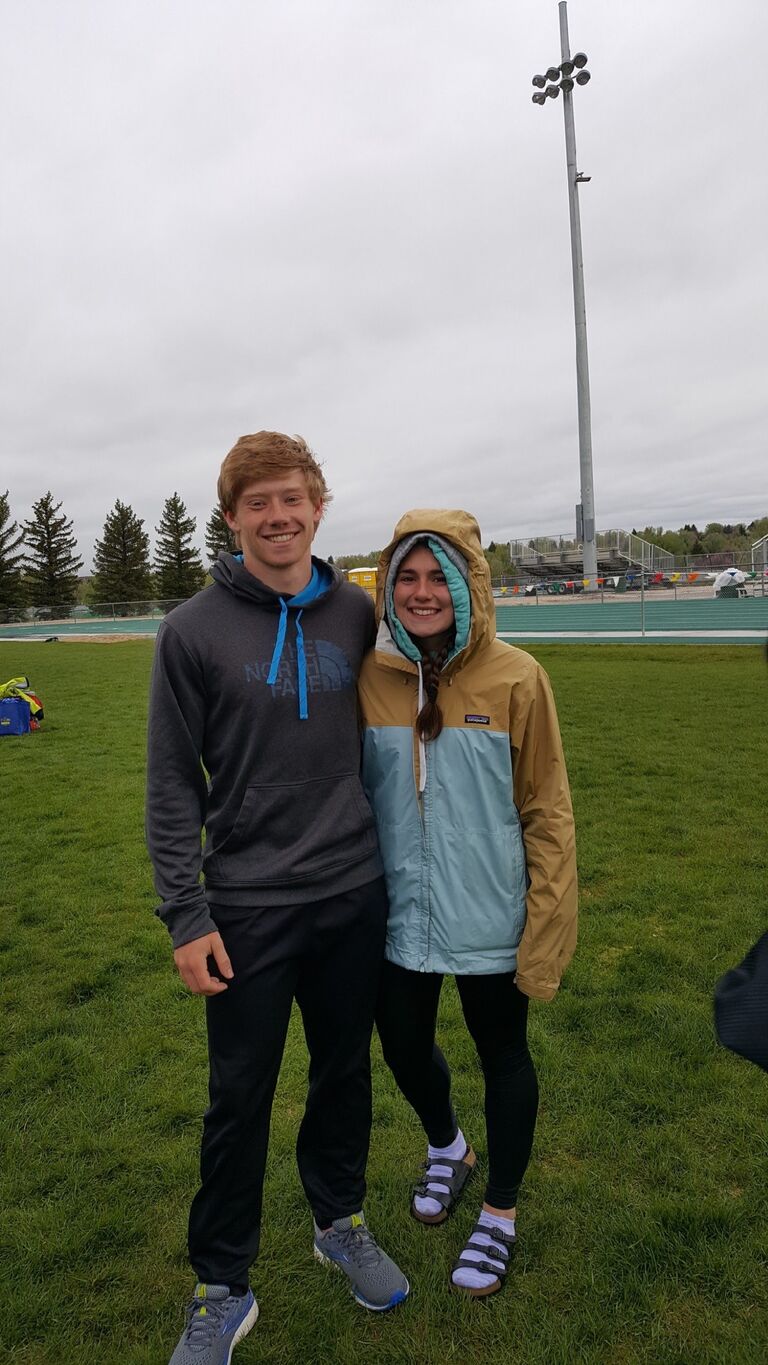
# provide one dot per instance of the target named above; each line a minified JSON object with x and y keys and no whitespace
{"x":328,"y":669}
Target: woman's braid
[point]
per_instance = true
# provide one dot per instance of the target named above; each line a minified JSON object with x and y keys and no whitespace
{"x":429,"y":721}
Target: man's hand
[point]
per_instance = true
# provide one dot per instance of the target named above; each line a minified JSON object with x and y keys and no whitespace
{"x":192,"y":962}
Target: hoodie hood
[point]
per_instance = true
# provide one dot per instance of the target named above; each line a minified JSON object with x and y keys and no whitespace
{"x":454,"y":538}
{"x":230,"y":572}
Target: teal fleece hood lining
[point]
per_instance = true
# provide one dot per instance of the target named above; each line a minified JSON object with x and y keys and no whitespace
{"x":456,"y":570}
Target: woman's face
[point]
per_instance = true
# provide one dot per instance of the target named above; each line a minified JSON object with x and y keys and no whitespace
{"x":422,"y":599}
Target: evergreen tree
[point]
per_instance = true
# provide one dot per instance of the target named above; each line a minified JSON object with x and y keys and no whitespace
{"x":178,"y":566}
{"x":50,"y":563}
{"x":369,"y":560}
{"x":122,"y":571}
{"x":218,"y":535}
{"x":11,"y":558}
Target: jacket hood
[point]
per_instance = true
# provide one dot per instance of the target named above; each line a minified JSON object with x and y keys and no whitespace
{"x":458,"y":532}
{"x":230,"y":572}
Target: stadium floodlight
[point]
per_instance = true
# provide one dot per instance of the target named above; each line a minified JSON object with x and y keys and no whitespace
{"x":562,"y":78}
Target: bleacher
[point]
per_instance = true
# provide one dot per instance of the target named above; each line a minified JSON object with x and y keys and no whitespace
{"x":562,"y":557}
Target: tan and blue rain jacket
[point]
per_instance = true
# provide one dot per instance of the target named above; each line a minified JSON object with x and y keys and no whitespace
{"x":475,"y":827}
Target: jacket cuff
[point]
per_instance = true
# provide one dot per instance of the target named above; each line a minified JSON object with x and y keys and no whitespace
{"x":536,"y":990}
{"x":184,"y":924}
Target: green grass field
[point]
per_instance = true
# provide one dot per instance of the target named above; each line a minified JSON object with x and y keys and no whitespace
{"x":644,"y":1218}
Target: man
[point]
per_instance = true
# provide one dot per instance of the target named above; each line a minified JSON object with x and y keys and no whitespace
{"x":254,"y":685}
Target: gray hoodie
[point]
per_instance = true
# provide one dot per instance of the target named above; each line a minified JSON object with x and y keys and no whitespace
{"x":285,"y":817}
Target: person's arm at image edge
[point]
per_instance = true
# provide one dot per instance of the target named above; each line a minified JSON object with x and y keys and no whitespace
{"x":175,"y":812}
{"x":543,"y":800}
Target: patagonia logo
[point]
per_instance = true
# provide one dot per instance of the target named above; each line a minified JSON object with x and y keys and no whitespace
{"x":477,"y":720}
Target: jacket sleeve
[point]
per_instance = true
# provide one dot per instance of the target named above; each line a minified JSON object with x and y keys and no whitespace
{"x":177,"y":788}
{"x":543,"y":800}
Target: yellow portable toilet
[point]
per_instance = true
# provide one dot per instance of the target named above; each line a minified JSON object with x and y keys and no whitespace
{"x":365,"y":577}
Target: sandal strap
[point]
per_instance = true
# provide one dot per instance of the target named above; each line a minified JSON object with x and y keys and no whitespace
{"x":504,"y":1239}
{"x":442,"y":1197}
{"x":496,"y":1234}
{"x":485,"y":1267}
{"x":487,"y":1249}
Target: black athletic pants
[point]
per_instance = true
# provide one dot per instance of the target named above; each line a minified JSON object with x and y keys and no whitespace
{"x":327,"y":956}
{"x":496,"y":1014}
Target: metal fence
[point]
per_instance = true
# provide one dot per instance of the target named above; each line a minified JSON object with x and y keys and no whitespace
{"x":149,"y":609}
{"x":759,"y":556}
{"x":677,"y":586}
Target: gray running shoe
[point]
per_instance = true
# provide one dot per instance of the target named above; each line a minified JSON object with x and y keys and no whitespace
{"x":374,"y":1279}
{"x":215,"y":1323}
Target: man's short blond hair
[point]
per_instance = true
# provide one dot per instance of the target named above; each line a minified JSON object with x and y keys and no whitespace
{"x":269,"y":455}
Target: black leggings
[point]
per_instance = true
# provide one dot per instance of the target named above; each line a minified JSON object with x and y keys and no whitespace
{"x":496,"y":1014}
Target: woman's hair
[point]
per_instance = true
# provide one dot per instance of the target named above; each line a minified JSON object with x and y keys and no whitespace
{"x":429,"y":721}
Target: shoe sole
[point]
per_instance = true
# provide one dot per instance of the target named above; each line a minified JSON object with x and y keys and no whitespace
{"x":478,"y":1293}
{"x":399,"y":1296}
{"x":243,"y":1329}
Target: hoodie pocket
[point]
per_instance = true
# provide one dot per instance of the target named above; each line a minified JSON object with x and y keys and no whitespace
{"x":290,"y":832}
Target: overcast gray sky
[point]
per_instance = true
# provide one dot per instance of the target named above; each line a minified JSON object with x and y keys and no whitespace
{"x":347,"y":219}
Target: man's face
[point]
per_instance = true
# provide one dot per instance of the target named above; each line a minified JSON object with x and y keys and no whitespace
{"x":276,"y":521}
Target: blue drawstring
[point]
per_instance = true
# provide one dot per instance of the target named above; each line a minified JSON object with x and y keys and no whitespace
{"x":279,"y":642}
{"x":301,"y":667}
{"x":301,"y":662}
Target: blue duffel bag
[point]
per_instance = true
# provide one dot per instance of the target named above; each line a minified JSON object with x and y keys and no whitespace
{"x":14,"y":716}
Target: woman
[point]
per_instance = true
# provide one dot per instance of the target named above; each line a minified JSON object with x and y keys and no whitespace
{"x":464,"y":768}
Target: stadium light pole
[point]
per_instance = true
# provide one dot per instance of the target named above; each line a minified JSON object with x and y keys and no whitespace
{"x":556,"y":80}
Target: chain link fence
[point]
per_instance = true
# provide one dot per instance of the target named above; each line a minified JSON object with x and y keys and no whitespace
{"x":149,"y":609}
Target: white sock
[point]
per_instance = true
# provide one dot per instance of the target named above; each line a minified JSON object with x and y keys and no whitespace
{"x":480,"y":1279}
{"x":454,"y":1152}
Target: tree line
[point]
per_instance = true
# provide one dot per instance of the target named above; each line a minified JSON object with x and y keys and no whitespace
{"x":39,"y":564}
{"x":717,"y":537}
